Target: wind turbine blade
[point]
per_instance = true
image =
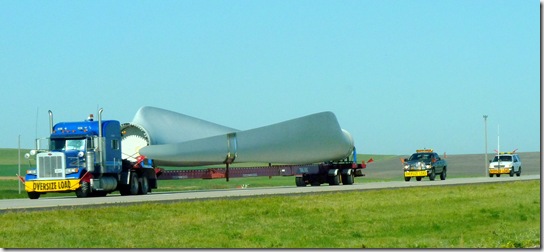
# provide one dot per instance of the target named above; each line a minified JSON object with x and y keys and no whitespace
{"x":164,"y":126}
{"x":313,"y":138}
{"x":159,"y":126}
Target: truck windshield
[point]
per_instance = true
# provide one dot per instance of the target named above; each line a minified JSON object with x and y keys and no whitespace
{"x":419,"y":156}
{"x":67,"y":144}
{"x":503,"y":158}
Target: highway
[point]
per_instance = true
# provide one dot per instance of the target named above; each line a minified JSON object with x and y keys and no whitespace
{"x":163,"y":197}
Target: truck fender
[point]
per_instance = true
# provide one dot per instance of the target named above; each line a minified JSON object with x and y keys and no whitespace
{"x":346,"y":171}
{"x":333,"y":172}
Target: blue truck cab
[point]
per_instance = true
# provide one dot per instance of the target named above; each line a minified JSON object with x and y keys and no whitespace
{"x":85,"y":157}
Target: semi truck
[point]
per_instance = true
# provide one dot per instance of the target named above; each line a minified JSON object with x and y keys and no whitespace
{"x":95,"y":158}
{"x":85,"y":157}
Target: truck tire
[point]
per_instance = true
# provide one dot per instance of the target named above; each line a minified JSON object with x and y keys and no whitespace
{"x":418,"y":178}
{"x":519,"y":172}
{"x":299,"y":181}
{"x":348,"y":179}
{"x":84,"y":190}
{"x":144,"y":185}
{"x":134,"y":185}
{"x":443,"y":174}
{"x":33,"y":195}
{"x":407,"y":179}
{"x":432,"y":175}
{"x":490,"y":175}
{"x":511,"y":172}
{"x":334,"y":180}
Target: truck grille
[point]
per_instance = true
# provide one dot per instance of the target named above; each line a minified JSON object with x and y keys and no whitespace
{"x":50,"y":165}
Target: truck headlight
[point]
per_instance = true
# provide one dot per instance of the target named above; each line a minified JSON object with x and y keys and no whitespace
{"x":406,"y":167}
{"x":428,"y":166}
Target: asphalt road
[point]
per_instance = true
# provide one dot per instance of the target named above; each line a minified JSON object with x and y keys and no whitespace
{"x":71,"y":201}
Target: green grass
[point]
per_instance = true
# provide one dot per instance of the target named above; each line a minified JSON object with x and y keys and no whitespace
{"x":497,"y":215}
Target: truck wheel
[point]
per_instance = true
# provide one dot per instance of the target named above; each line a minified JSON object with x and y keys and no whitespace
{"x":144,"y":185}
{"x":418,"y":178}
{"x":519,"y":172}
{"x":432,"y":175}
{"x":84,"y":190}
{"x":511,"y":172}
{"x":407,"y":179}
{"x":33,"y":195}
{"x":134,"y":185}
{"x":443,"y":174}
{"x":498,"y":175}
{"x":334,"y":180}
{"x":348,"y":179}
{"x":490,"y":175}
{"x":299,"y":181}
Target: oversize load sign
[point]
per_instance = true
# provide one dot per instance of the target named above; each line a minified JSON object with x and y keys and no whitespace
{"x":52,"y":185}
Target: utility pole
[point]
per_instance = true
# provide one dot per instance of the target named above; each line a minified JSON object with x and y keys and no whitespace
{"x":19,"y":161}
{"x":485,"y":130}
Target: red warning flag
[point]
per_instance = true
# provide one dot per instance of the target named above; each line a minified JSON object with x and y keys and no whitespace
{"x":370,"y":160}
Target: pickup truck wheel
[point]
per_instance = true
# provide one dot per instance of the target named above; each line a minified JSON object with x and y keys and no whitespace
{"x":511,"y":172}
{"x":519,"y":172}
{"x":432,"y":175}
{"x":443,"y":174}
{"x":418,"y":178}
{"x":407,"y":179}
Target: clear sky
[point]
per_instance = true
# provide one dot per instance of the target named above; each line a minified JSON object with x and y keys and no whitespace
{"x":399,"y":75}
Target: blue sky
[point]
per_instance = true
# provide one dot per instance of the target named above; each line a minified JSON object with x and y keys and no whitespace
{"x":399,"y":75}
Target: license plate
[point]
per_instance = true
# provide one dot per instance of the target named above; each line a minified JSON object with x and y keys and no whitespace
{"x":415,"y":173}
{"x":499,"y":171}
{"x":52,"y":185}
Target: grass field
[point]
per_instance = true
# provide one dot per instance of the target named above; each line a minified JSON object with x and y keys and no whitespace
{"x":498,"y":215}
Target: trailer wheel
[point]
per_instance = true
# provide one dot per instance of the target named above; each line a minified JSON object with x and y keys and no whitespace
{"x":84,"y":190}
{"x":299,"y":181}
{"x":33,"y":195}
{"x":348,"y":179}
{"x":334,"y":180}
{"x":144,"y":185}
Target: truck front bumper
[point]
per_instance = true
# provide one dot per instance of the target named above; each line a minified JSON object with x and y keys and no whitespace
{"x":62,"y":185}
